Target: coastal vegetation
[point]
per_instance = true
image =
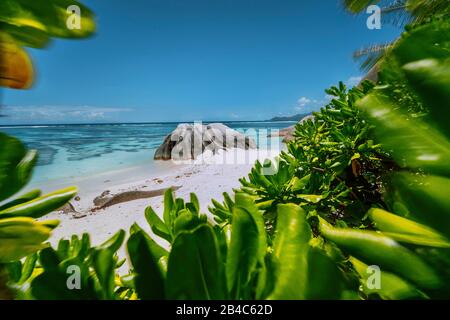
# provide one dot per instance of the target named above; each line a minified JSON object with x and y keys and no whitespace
{"x":33,"y":24}
{"x":360,"y":192}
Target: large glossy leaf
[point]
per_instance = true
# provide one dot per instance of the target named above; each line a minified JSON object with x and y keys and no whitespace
{"x":376,"y":249}
{"x":186,"y":220}
{"x":430,"y":79}
{"x":246,"y":252}
{"x":157,"y":225}
{"x":41,"y":206}
{"x":104,"y":266}
{"x":33,"y":194}
{"x":26,"y":36}
{"x":432,"y":40}
{"x":324,"y":279}
{"x":290,"y":253}
{"x":412,"y":143}
{"x":195,"y":270}
{"x":28,"y":267}
{"x":247,"y":203}
{"x":391,"y":287}
{"x":51,"y":284}
{"x":12,"y":151}
{"x":389,"y":222}
{"x":47,"y":15}
{"x":114,"y":243}
{"x":169,"y":209}
{"x":301,"y":272}
{"x":105,"y":261}
{"x":426,"y":199}
{"x":20,"y":237}
{"x":149,"y":276}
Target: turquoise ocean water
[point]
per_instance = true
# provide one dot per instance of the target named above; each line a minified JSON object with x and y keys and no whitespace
{"x":73,"y":151}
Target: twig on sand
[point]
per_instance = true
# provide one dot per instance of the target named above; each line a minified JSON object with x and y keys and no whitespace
{"x":106,"y":200}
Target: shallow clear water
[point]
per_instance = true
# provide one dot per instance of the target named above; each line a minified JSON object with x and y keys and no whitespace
{"x":71,"y":151}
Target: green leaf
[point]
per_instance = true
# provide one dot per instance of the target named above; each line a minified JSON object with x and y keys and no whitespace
{"x":290,"y":253}
{"x":48,"y":16}
{"x":377,"y":249}
{"x":169,"y":206}
{"x":104,"y":266}
{"x":431,"y":81}
{"x":33,"y":194}
{"x":425,"y":198}
{"x":413,"y":143}
{"x":12,"y":151}
{"x":20,"y":237}
{"x":297,"y":184}
{"x":41,"y":206}
{"x":52,"y":283}
{"x":195,"y":202}
{"x":149,"y":279}
{"x":313,"y":198}
{"x":195,"y":270}
{"x":324,"y":279}
{"x":28,"y":267}
{"x":115,"y":242}
{"x":157,"y":225}
{"x":186,"y":221}
{"x":405,"y":230}
{"x":157,"y":251}
{"x":27,"y":36}
{"x":418,"y":240}
{"x":246,"y":251}
{"x":63,"y":248}
{"x":391,"y":287}
{"x":431,"y":40}
{"x":14,"y":270}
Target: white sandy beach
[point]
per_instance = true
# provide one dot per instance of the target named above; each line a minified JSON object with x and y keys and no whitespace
{"x":208,"y":178}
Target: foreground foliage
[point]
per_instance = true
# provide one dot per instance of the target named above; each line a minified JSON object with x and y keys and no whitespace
{"x":25,"y":23}
{"x":20,"y":234}
{"x":362,"y":189}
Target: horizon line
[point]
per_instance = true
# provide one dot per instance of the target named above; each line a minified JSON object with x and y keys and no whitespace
{"x":146,"y":122}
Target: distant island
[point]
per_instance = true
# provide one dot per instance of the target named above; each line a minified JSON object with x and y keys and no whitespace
{"x":296,"y":117}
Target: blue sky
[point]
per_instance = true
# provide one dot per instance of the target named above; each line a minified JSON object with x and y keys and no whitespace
{"x":185,"y":60}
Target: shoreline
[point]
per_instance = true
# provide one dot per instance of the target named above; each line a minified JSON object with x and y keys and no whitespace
{"x":208,"y":177}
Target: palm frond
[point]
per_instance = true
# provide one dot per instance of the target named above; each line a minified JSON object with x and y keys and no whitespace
{"x":370,"y":56}
{"x":396,"y":13}
{"x":357,"y":6}
{"x":423,"y":10}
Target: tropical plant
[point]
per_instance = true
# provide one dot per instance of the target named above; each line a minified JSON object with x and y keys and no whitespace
{"x":20,"y":234}
{"x":73,"y":270}
{"x":32,"y":24}
{"x":333,"y":165}
{"x":27,"y":24}
{"x":399,"y":12}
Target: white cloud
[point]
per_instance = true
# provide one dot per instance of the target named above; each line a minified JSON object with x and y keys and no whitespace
{"x":61,"y":113}
{"x":353,"y":81}
{"x":305,"y":104}
{"x":303,"y":101}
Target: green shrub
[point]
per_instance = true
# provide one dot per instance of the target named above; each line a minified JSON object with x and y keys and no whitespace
{"x":20,"y":234}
